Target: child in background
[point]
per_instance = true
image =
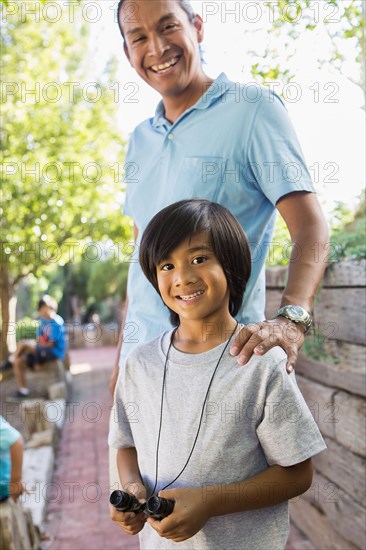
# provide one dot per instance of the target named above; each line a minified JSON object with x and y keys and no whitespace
{"x":11,"y":461}
{"x":50,"y":345}
{"x":229,"y":445}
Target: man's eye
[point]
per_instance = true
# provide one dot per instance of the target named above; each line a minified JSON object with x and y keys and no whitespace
{"x":167,"y":267}
{"x":138,"y":39}
{"x":169,"y":26}
{"x":199,"y":260}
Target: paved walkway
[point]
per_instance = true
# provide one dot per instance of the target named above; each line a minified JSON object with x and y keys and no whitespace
{"x":77,"y":513}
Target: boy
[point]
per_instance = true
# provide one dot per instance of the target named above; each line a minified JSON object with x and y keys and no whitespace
{"x":235,"y":444}
{"x":51,"y":343}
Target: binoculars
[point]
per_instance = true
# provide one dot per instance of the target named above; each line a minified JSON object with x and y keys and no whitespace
{"x":155,"y":507}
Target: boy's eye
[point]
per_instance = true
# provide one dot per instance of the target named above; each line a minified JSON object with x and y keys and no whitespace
{"x":167,"y":267}
{"x":199,"y":260}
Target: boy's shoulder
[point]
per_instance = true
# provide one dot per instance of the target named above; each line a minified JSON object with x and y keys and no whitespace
{"x":264,"y":366}
{"x":144,"y":352}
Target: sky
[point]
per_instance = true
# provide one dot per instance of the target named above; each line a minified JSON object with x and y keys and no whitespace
{"x":324,"y":105}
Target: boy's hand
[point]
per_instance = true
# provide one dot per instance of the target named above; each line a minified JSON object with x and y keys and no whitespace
{"x":190,"y":514}
{"x":130,"y":522}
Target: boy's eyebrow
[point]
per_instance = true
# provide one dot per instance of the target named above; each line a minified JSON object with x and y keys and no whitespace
{"x":161,"y":20}
{"x":201,"y":248}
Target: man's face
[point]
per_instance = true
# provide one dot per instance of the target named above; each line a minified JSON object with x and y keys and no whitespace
{"x":162,"y":44}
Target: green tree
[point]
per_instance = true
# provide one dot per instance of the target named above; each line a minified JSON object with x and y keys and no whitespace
{"x":61,"y":152}
{"x":289,"y":19}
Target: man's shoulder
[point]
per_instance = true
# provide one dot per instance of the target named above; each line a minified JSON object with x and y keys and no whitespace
{"x":142,"y":127}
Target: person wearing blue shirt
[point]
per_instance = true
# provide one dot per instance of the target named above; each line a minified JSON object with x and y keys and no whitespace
{"x":11,"y":460}
{"x":223,"y":141}
{"x":50,"y":344}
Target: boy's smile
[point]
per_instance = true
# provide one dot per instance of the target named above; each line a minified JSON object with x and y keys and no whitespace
{"x":192,"y":282}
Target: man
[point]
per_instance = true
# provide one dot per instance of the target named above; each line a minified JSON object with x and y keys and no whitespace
{"x":231,"y":144}
{"x":50,"y":345}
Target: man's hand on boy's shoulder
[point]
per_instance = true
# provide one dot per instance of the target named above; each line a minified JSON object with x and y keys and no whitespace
{"x":258,"y":338}
{"x":190,"y":514}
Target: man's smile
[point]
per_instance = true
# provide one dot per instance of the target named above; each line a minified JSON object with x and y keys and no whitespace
{"x":163,"y":67}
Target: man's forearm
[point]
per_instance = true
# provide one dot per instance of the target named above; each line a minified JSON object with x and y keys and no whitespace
{"x":272,"y":486}
{"x":306,"y":268}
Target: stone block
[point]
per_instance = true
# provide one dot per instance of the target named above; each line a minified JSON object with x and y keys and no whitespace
{"x":33,"y":416}
{"x":16,"y":527}
{"x":37,"y":473}
{"x":344,"y":468}
{"x":341,"y":274}
{"x":344,"y":309}
{"x":343,"y":513}
{"x":350,"y":431}
{"x":57,"y":390}
{"x":315,"y":525}
{"x":348,"y":373}
{"x":320,"y":400}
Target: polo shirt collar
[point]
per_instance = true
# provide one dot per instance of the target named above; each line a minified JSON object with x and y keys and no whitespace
{"x":218,"y":88}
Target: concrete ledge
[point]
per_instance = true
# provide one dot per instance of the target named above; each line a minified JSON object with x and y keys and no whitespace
{"x":16,"y":526}
{"x":37,"y":474}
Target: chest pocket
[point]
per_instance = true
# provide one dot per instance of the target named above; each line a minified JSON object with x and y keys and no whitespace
{"x":196,"y":178}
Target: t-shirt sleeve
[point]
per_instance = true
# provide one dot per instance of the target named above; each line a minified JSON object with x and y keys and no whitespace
{"x":288,"y":433}
{"x":8,"y":434}
{"x":275,"y":156}
{"x":120,"y":434}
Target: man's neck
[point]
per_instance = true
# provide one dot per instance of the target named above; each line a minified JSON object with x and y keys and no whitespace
{"x":198,"y":336}
{"x":176,"y":105}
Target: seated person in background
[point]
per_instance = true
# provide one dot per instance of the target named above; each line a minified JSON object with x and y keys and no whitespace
{"x":50,"y":344}
{"x":11,"y":460}
{"x":230,"y":446}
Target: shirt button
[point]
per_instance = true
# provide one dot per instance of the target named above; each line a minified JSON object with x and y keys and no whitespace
{"x":170,"y":136}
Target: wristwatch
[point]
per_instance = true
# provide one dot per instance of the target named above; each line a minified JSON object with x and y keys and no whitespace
{"x":296,"y":314}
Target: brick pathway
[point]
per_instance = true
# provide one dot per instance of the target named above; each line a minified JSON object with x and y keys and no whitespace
{"x":77,"y":513}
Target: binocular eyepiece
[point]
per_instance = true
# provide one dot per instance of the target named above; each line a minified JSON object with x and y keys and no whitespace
{"x":124,"y":502}
{"x":158,"y":507}
{"x":155,"y":507}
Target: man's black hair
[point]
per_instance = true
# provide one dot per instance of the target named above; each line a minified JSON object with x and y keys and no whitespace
{"x":180,"y":221}
{"x":184,"y":4}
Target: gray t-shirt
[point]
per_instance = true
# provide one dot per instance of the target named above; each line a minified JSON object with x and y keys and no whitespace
{"x":255,"y":417}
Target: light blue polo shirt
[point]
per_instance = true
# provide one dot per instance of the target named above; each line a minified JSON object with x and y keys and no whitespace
{"x":235,"y":146}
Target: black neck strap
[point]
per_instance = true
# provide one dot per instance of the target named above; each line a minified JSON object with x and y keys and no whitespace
{"x":202,"y":411}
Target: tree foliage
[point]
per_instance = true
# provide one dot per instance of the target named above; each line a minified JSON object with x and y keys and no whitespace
{"x":61,"y":151}
{"x":290,"y":19}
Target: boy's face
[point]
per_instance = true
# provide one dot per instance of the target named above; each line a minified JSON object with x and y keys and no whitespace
{"x":162,"y":44}
{"x":44,"y":311}
{"x":192,"y":282}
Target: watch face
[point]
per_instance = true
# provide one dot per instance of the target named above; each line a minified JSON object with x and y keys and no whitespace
{"x":295,"y":311}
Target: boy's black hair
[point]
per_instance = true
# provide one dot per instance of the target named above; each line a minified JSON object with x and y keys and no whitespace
{"x":183,"y":219}
{"x":48,"y":301}
{"x":184,"y":4}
